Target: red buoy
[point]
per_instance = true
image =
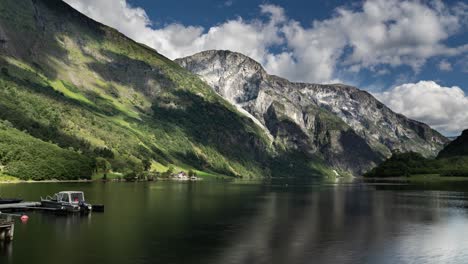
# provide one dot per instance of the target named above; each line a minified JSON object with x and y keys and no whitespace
{"x":24,"y":218}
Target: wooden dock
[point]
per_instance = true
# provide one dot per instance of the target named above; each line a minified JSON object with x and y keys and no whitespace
{"x":37,"y":206}
{"x":7,"y":230}
{"x":22,"y":205}
{"x":27,"y":206}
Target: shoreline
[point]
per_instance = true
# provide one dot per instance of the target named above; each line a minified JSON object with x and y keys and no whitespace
{"x":47,"y":181}
{"x":402,"y":179}
{"x":416,"y":178}
{"x":97,"y":180}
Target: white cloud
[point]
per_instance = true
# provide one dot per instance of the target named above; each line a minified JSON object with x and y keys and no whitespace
{"x":381,"y":33}
{"x":252,"y":38}
{"x":444,"y":65}
{"x":116,"y":13}
{"x":443,"y":108}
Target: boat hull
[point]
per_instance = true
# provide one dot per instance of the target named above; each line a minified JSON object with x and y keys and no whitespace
{"x":61,"y":206}
{"x":10,"y":201}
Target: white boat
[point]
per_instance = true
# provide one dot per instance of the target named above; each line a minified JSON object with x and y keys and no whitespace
{"x":69,"y":201}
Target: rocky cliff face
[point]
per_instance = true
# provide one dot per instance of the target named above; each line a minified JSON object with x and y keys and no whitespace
{"x":346,"y":126}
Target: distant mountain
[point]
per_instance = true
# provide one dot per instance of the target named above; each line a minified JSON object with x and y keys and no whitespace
{"x":451,"y":161}
{"x":347,"y":127}
{"x":458,"y":147}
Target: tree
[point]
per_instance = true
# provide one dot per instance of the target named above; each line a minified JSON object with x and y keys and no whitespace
{"x":170,"y":169}
{"x":102,"y":165}
{"x":146,"y":164}
{"x":169,"y":172}
{"x":139,"y":170}
{"x":5,"y":71}
{"x":104,"y":152}
{"x":131,"y":176}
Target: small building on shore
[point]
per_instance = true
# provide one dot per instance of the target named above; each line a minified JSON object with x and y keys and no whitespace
{"x":183,"y":176}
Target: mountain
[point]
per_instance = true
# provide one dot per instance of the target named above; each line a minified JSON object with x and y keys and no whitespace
{"x":458,"y":147}
{"x":451,"y":161}
{"x":73,"y":91}
{"x":347,"y":127}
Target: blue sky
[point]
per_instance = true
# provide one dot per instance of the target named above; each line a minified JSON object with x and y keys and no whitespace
{"x":207,"y":13}
{"x":412,"y":55}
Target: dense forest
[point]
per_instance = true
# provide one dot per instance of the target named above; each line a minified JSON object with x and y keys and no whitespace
{"x":451,"y":161}
{"x":26,"y":157}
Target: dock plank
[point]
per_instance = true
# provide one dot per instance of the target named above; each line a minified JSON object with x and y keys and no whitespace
{"x":19,"y":205}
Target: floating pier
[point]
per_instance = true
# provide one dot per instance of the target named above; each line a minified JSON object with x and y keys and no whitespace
{"x":22,"y":205}
{"x":7,"y":226}
{"x":38,"y":206}
{"x":7,"y":230}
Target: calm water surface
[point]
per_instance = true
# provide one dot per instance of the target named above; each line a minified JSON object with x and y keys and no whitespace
{"x":214,"y":222}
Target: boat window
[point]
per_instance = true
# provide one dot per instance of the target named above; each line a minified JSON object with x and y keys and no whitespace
{"x":77,"y":197}
{"x":65,"y":197}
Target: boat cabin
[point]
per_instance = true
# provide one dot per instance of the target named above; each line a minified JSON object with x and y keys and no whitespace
{"x":70,"y":201}
{"x":71,"y":197}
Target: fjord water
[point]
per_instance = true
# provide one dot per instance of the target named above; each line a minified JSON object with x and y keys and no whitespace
{"x":218,"y":222}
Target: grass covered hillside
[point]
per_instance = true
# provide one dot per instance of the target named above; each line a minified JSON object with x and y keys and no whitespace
{"x":30,"y":158}
{"x":73,"y":90}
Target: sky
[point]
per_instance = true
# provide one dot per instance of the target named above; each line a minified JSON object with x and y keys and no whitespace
{"x":412,"y":55}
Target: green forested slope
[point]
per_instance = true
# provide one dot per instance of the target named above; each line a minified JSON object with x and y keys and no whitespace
{"x":451,"y":161}
{"x":458,"y":147}
{"x":73,"y":88}
{"x":29,"y":158}
{"x":408,"y":164}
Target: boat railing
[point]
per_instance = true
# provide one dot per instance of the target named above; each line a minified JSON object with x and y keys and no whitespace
{"x":48,"y":197}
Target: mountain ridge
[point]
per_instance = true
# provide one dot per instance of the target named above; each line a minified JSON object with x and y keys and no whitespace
{"x":244,"y":82}
{"x":80,"y":86}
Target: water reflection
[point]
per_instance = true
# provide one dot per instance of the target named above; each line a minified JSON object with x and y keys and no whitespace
{"x":353,"y":225}
{"x":247,"y":223}
{"x":6,"y":249}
